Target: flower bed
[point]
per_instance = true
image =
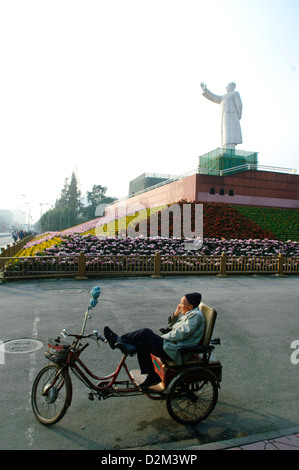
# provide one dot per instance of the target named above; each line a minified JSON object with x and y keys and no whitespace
{"x":224,"y":221}
{"x":92,"y":245}
{"x":283,"y":223}
{"x":40,"y":244}
{"x":136,"y":256}
{"x":251,"y":238}
{"x":226,"y":229}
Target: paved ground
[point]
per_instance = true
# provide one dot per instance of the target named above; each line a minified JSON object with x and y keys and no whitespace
{"x":5,"y":239}
{"x":257,"y":322}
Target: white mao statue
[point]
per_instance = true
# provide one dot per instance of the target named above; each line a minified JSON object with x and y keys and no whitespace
{"x":231,"y":113}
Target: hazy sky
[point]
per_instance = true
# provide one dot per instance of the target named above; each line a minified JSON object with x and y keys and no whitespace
{"x":111,"y":89}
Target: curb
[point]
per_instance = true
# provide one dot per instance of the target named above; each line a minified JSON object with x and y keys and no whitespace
{"x":238,"y":442}
{"x":219,"y":445}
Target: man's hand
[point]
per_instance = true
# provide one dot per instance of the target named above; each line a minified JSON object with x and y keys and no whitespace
{"x":178,"y":311}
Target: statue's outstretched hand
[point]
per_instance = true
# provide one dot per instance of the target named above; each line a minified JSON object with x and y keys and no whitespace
{"x":203,"y":86}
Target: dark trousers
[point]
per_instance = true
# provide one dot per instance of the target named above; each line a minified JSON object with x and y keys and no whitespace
{"x":147,"y":342}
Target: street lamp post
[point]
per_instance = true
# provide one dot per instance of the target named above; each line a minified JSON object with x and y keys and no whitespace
{"x":29,"y":209}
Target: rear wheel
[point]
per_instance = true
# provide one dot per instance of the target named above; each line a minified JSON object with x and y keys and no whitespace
{"x":192,"y":397}
{"x":51,"y":394}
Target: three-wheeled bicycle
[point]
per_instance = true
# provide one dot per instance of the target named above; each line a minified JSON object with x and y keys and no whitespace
{"x":190,"y":390}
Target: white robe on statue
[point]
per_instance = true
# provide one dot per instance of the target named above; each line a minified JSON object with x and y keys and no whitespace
{"x":231,"y":113}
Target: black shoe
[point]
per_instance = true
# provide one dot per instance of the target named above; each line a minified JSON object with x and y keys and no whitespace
{"x":151,"y":380}
{"x":110,"y":336}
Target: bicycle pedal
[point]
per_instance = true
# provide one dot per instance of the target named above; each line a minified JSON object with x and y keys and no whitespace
{"x":90,"y":396}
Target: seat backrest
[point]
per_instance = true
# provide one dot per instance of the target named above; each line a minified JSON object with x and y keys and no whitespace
{"x":210,"y":317}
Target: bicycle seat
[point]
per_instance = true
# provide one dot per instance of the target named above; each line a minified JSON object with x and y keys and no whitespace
{"x":206,"y":345}
{"x":126,"y":348}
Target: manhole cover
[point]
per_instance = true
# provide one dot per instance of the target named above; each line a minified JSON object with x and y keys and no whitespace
{"x":21,"y":346}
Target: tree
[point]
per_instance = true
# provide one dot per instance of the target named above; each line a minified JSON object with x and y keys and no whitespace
{"x":63,"y":200}
{"x":74,"y":195}
{"x":58,"y":219}
{"x":66,"y":212}
{"x":95,"y":197}
{"x":70,"y":195}
{"x":69,"y":210}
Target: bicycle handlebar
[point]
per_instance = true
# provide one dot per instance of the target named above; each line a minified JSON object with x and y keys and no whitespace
{"x":99,"y":336}
{"x":95,"y":333}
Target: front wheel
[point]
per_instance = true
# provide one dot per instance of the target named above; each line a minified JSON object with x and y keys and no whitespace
{"x":51,"y":394}
{"x":192,"y":397}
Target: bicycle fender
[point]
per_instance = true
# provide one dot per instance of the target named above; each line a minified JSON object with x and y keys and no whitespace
{"x":190,"y":372}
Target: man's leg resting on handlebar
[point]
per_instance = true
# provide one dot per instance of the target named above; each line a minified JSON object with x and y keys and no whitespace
{"x":147,"y":342}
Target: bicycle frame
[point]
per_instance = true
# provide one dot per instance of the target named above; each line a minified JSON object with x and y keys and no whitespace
{"x":108,"y":383}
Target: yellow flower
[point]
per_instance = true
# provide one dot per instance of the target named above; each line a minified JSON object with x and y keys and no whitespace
{"x":39,"y":247}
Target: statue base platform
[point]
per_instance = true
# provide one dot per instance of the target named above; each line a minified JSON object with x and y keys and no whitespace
{"x":227,"y":160}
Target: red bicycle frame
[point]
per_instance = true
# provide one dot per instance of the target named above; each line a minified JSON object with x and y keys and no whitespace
{"x":108,"y":383}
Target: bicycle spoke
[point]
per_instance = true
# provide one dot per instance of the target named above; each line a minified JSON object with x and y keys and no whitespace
{"x":51,"y":395}
{"x":192,"y":398}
